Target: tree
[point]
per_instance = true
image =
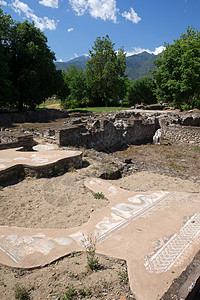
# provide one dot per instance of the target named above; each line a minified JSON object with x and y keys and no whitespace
{"x":177,"y":73}
{"x":34,"y":74}
{"x":75,"y":87}
{"x":142,"y":91}
{"x":105,"y":73}
{"x":6,"y":87}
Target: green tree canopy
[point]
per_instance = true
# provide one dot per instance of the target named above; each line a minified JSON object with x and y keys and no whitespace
{"x":105,"y":73}
{"x":177,"y":73}
{"x":142,"y":91}
{"x":28,"y":73}
{"x":6,"y":86}
{"x":75,"y":87}
{"x":34,"y":73}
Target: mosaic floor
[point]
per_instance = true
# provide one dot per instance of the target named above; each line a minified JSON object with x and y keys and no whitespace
{"x":158,"y":233}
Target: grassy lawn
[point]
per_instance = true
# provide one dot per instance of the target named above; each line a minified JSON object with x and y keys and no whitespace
{"x":97,"y":109}
{"x":56,"y":105}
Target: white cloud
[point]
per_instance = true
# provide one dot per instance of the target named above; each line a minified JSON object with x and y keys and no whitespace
{"x":79,"y":6}
{"x":103,"y":9}
{"x":70,"y":29}
{"x":42,"y":23}
{"x":3,"y":3}
{"x":159,"y":50}
{"x":60,"y":60}
{"x":49,"y":3}
{"x":131,"y":16}
{"x":75,"y":55}
{"x":137,"y":50}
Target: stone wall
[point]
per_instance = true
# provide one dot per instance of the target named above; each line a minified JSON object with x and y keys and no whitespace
{"x":32,"y":116}
{"x":182,"y":134}
{"x":14,"y":140}
{"x":108,"y":133}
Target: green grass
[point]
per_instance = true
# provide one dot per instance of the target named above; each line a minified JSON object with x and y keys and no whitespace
{"x":99,"y":195}
{"x":97,"y":109}
{"x":46,"y":104}
{"x":175,"y":166}
{"x":176,"y":155}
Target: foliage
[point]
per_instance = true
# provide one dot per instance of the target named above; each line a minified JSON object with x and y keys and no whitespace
{"x":92,"y":259}
{"x":70,"y":292}
{"x":105,"y":73}
{"x":99,"y":195}
{"x":6,"y":87}
{"x":28,"y":73}
{"x":33,"y":71}
{"x":142,"y":91}
{"x":74,"y":80}
{"x":177,"y":73}
{"x":21,"y":293}
{"x":123,"y":275}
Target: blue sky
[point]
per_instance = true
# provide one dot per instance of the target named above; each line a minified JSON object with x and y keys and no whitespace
{"x":71,"y":26}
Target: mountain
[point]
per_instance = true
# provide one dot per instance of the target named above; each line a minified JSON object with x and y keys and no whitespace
{"x":79,"y":62}
{"x":137,"y":65}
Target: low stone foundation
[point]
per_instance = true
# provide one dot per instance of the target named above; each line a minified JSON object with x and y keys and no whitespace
{"x":13,"y":140}
{"x":182,"y":134}
{"x":108,"y":133}
{"x":32,"y":116}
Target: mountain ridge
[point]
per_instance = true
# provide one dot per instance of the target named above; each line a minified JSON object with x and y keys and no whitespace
{"x":137,"y":65}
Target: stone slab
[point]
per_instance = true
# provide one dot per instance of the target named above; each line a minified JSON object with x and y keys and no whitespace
{"x":12,"y":157}
{"x":157,"y":233}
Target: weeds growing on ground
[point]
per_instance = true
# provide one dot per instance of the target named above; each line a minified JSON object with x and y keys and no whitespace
{"x":21,"y":293}
{"x":71,"y":169}
{"x":123,"y":275}
{"x":99,"y":195}
{"x":175,"y":166}
{"x":178,"y":155}
{"x":70,"y":293}
{"x":55,"y":170}
{"x":92,"y":260}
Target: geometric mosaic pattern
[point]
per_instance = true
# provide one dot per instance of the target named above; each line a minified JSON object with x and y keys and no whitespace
{"x":123,"y":213}
{"x":133,"y":207}
{"x":176,"y":249}
{"x":16,"y":247}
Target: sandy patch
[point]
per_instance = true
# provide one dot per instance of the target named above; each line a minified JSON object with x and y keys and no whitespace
{"x":64,"y":201}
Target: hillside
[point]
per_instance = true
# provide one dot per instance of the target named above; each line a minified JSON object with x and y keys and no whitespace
{"x":137,"y":65}
{"x":79,"y":62}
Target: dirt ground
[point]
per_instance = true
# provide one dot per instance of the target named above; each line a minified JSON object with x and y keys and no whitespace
{"x":175,"y":160}
{"x":67,"y":278}
{"x":64,"y":202}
